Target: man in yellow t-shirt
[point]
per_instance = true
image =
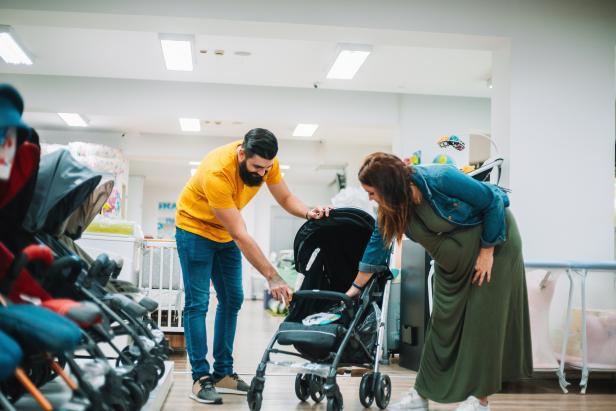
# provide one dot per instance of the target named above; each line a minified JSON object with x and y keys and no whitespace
{"x":211,"y":236}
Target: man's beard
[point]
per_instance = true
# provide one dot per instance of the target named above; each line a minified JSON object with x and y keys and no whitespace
{"x":250,"y":179}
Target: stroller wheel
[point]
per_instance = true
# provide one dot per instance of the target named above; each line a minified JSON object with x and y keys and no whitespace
{"x":159,"y":363}
{"x":302,"y":386}
{"x":254,"y":400}
{"x":316,"y":388}
{"x":382,"y":392}
{"x":137,"y":393}
{"x":366,"y":392}
{"x":334,"y":403}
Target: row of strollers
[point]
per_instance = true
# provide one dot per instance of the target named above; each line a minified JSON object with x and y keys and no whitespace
{"x":58,"y":305}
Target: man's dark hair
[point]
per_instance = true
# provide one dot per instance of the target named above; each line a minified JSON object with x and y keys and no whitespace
{"x":261,"y":142}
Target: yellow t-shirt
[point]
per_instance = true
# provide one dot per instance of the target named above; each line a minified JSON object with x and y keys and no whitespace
{"x":217,"y":184}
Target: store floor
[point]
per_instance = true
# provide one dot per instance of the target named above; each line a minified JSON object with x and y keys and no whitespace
{"x":256,"y":327}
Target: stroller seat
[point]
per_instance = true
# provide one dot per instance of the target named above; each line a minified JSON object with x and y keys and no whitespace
{"x":314,"y":341}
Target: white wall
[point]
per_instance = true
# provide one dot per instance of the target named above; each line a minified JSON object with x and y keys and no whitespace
{"x":152,"y":194}
{"x":423,"y":119}
{"x":134,"y":198}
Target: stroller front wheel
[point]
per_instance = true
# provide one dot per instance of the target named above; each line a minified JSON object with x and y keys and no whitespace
{"x":255,"y":393}
{"x":254,"y":400}
{"x":382,"y":393}
{"x":366,"y":391}
{"x":316,"y":388}
{"x":302,"y":387}
{"x":334,"y":404}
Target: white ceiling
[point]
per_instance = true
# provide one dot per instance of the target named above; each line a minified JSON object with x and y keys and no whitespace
{"x":70,"y":51}
{"x":103,"y":60}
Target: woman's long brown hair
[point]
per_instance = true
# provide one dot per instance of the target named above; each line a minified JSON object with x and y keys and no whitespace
{"x":391,"y":178}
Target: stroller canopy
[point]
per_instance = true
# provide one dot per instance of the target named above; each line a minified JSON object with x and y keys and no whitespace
{"x":62,"y":186}
{"x":328,"y":251}
{"x":81,"y":218}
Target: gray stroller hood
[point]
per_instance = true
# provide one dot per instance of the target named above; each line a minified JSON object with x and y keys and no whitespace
{"x":75,"y":225}
{"x":62,"y":186}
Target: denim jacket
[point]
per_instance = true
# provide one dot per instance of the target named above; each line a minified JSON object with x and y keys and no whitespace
{"x":456,"y":197}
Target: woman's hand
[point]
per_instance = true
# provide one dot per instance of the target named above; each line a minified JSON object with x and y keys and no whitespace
{"x":353,"y":292}
{"x":483,"y":266}
{"x":361,"y":279}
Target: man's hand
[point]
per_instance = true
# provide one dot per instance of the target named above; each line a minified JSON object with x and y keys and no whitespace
{"x":318,"y":212}
{"x":279,"y":289}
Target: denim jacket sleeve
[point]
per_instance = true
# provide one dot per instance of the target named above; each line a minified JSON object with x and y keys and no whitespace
{"x":480,"y":196}
{"x":376,"y":255}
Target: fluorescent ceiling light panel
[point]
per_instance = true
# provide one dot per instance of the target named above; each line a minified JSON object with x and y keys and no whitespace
{"x":10,"y":49}
{"x":73,"y":119}
{"x":190,"y":124}
{"x":350,"y":58}
{"x":194,"y":163}
{"x":285,"y":167}
{"x":305,"y":130}
{"x":178,"y":51}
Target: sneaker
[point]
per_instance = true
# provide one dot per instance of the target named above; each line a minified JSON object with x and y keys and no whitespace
{"x":203,"y":391}
{"x":411,"y":401}
{"x":231,"y":384}
{"x":472,"y":404}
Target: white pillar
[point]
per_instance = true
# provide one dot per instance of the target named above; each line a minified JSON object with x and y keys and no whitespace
{"x":561,"y":143}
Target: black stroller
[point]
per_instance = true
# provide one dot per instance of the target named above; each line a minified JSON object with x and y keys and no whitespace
{"x":327,"y":252}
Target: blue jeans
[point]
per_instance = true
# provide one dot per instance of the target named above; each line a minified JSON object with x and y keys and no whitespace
{"x":203,"y":260}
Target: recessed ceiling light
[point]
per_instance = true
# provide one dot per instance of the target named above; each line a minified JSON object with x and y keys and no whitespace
{"x":193,"y":171}
{"x":285,"y":166}
{"x":10,"y":49}
{"x":242,"y":53}
{"x":194,"y":163}
{"x":350,"y":58}
{"x":489,"y":83}
{"x":190,"y":124}
{"x":73,"y":119}
{"x":305,"y":130}
{"x":178,"y":51}
{"x":282,"y":174}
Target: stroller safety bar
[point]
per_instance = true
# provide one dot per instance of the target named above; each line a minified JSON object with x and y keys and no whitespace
{"x":324,"y":295}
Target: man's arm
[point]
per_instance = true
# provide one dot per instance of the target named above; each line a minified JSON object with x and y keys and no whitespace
{"x":287,"y":200}
{"x":294,"y":205}
{"x":234,"y":223}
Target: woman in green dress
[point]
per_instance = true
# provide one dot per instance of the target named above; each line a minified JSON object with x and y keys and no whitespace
{"x":479,"y":333}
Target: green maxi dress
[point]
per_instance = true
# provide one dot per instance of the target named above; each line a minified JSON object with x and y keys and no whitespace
{"x":478,"y":337}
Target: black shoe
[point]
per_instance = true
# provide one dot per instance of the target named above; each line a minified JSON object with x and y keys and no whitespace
{"x":203,"y":391}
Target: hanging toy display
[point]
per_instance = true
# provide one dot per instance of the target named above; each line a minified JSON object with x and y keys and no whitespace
{"x":443,"y":159}
{"x":414,"y":159}
{"x":451,"y":141}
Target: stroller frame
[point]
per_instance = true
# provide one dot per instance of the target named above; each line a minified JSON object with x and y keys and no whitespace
{"x":374,"y":385}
